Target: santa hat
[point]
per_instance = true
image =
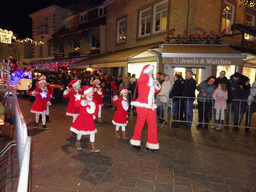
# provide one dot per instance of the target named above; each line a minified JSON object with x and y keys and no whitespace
{"x":123,"y":90}
{"x":39,"y":82}
{"x":74,"y":82}
{"x":87,"y":89}
{"x":42,"y":78}
{"x":96,"y":81}
{"x":147,"y":68}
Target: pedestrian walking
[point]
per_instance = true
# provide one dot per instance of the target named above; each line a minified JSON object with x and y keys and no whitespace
{"x":72,"y":92}
{"x":42,"y":99}
{"x":220,"y":96}
{"x":98,"y":94}
{"x":145,"y":107}
{"x":121,"y":116}
{"x":84,"y":123}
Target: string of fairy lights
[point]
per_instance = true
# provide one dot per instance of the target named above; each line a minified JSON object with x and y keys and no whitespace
{"x":249,"y":3}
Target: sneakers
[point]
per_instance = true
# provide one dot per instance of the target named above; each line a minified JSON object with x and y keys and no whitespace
{"x":45,"y":127}
{"x":219,"y":127}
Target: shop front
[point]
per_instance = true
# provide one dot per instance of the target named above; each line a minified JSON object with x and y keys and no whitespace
{"x":203,"y":59}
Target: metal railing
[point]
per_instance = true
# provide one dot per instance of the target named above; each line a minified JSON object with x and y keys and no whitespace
{"x":198,"y":111}
{"x":23,"y":141}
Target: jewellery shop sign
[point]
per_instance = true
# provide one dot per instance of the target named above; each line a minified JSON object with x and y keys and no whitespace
{"x":202,"y":61}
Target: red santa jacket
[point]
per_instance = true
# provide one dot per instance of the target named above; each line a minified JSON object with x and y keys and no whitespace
{"x":98,"y":94}
{"x":120,"y":117}
{"x":73,"y":96}
{"x":41,"y":100}
{"x":147,"y":90}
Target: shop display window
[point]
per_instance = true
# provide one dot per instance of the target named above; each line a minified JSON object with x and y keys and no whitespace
{"x":229,"y":69}
{"x":250,"y":73}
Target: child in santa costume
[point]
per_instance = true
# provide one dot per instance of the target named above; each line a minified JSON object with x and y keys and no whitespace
{"x":145,"y":107}
{"x":72,"y":92}
{"x":42,"y":99}
{"x":120,"y":117}
{"x":50,"y":89}
{"x":98,"y":94}
{"x":84,"y":123}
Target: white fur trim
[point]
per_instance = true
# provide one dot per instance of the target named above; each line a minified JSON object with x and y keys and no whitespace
{"x":92,"y":108}
{"x":145,"y":105}
{"x":37,"y":112}
{"x":125,"y":105}
{"x":119,"y":124}
{"x":123,"y":91}
{"x":88,"y":90}
{"x":148,"y":69}
{"x":135,"y":142}
{"x":82,"y":132}
{"x":76,"y":83}
{"x":152,"y":146}
{"x":71,"y":114}
{"x":65,"y":92}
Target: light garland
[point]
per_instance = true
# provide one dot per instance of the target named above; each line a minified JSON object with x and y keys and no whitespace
{"x":250,"y":3}
{"x":28,"y":40}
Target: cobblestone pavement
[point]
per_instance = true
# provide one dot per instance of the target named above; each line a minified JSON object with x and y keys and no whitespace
{"x":188,"y":160}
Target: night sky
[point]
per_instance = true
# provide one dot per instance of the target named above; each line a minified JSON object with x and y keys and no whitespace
{"x":15,"y":15}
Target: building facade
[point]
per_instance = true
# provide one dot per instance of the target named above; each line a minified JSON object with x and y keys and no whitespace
{"x":176,"y":35}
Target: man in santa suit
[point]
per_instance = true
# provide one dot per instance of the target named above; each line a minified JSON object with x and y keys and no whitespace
{"x":50,"y":90}
{"x":145,"y":107}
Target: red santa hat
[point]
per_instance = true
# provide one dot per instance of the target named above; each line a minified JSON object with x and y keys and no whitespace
{"x":147,"y":68}
{"x":42,"y":78}
{"x":74,"y":82}
{"x":87,"y":89}
{"x":39,"y":82}
{"x":123,"y":90}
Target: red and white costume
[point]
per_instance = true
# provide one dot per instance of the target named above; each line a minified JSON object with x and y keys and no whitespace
{"x":50,"y":90}
{"x":121,"y":115}
{"x":145,"y":107}
{"x":41,"y":100}
{"x":98,"y":94}
{"x":84,"y":123}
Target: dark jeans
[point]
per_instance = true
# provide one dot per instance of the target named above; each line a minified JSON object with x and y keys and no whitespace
{"x":204,"y":111}
{"x":188,"y":108}
{"x":235,"y":107}
{"x":249,"y":112}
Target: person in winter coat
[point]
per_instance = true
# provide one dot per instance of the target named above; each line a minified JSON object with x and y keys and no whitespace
{"x":204,"y":98}
{"x":189,"y":94}
{"x":121,"y":116}
{"x":175,"y":94}
{"x":84,"y":123}
{"x":220,"y":96}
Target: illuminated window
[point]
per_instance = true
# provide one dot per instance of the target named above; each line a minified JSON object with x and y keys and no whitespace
{"x":121,"y":30}
{"x":227,"y":16}
{"x":160,"y":16}
{"x":145,"y":22}
{"x":249,"y":22}
{"x":75,"y":45}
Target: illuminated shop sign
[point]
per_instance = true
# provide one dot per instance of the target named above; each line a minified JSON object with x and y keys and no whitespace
{"x":6,"y":36}
{"x":202,"y":61}
{"x":210,"y":37}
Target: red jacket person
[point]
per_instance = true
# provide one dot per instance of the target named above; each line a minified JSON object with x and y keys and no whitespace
{"x":145,"y":107}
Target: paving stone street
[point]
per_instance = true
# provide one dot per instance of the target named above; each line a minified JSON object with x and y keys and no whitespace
{"x":188,"y":160}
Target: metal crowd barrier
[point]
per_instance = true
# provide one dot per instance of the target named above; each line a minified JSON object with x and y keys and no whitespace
{"x":23,"y":141}
{"x":238,"y":114}
{"x":162,"y":103}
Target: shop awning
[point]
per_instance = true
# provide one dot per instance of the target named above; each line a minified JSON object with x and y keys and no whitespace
{"x":113,"y":59}
{"x":213,"y":54}
{"x":244,"y":29}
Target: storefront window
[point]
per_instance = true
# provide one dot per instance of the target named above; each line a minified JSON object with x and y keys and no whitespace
{"x":121,"y":33}
{"x":250,"y":73}
{"x":229,"y":69}
{"x":197,"y":73}
{"x":249,"y":22}
{"x":137,"y":68}
{"x":227,"y":16}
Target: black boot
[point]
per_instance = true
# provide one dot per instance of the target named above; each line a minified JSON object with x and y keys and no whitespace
{"x":247,"y":130}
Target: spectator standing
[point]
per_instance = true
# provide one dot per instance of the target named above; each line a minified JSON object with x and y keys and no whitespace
{"x":204,"y":98}
{"x":98,"y":94}
{"x":131,"y":90}
{"x":164,"y":96}
{"x":251,"y":108}
{"x":176,"y":92}
{"x":162,"y":78}
{"x":189,"y":94}
{"x":220,"y":96}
